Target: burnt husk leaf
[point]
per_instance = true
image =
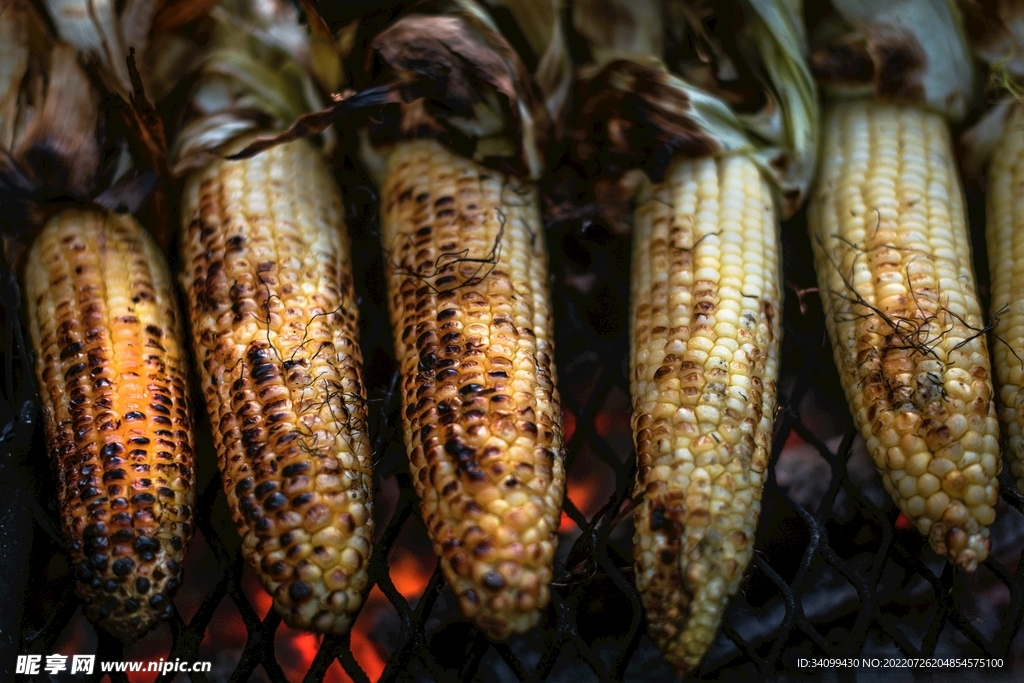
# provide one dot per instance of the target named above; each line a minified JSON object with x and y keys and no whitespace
{"x":732,"y":80}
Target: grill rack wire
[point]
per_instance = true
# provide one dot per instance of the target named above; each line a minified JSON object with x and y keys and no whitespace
{"x":834,"y":572}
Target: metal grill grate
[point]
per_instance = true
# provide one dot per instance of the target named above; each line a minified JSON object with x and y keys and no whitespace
{"x":835,"y":572}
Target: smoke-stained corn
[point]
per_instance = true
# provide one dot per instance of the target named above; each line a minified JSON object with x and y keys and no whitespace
{"x":467,"y":273}
{"x":894,"y":269}
{"x":704,"y":357}
{"x":274,"y":323}
{"x":111,"y":368}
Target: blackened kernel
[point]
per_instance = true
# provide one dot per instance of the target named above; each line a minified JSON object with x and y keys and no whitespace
{"x":299,"y":591}
{"x":122,"y":535}
{"x":446,"y":313}
{"x":146,"y":544}
{"x":302,"y":499}
{"x":131,"y":605}
{"x":143,"y":498}
{"x":114,"y":475}
{"x":142,"y":584}
{"x":176,"y":542}
{"x":97,"y":544}
{"x":275,"y":501}
{"x":157,"y":600}
{"x":134,"y":415}
{"x":70,"y":350}
{"x":96,"y":529}
{"x":265,"y":488}
{"x":110,"y":585}
{"x":122,"y":567}
{"x":243,"y":486}
{"x":470,"y":388}
{"x":295,"y":468}
{"x":83,"y":572}
{"x":163,"y":410}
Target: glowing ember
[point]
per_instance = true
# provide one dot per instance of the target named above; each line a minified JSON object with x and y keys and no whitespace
{"x":296,"y":651}
{"x":259,"y":598}
{"x":568,"y":424}
{"x":367,"y":652}
{"x":588,"y":491}
{"x":411,"y":572}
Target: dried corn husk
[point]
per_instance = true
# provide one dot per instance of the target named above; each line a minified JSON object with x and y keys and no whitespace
{"x":649,"y":111}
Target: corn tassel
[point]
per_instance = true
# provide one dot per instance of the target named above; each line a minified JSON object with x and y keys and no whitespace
{"x":469,"y":306}
{"x":274,"y":323}
{"x":111,"y":368}
{"x":704,"y":357}
{"x":894,"y":270}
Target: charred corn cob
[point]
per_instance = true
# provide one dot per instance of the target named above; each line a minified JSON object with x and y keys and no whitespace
{"x":111,"y":371}
{"x":894,"y":270}
{"x":704,"y":357}
{"x":274,"y":324}
{"x":467,"y":281}
{"x":1005,"y":238}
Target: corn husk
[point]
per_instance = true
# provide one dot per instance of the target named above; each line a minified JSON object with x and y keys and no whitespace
{"x":909,"y":51}
{"x":453,"y":75}
{"x":750,"y":93}
{"x":996,"y":30}
{"x":261,"y":72}
{"x":51,"y":142}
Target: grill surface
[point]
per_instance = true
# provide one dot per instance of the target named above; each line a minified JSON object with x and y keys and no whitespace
{"x":836,"y":572}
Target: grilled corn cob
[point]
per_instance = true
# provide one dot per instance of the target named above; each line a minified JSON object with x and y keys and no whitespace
{"x":706,"y":300}
{"x":467,"y":281}
{"x":704,"y":357}
{"x":894,"y":270}
{"x":274,"y":323}
{"x":111,"y":370}
{"x":1005,"y":238}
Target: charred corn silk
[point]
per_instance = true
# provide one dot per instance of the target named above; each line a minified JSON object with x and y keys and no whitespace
{"x":469,"y":305}
{"x":111,"y":371}
{"x":274,"y":323}
{"x":704,"y":357}
{"x":1005,"y":238}
{"x":894,"y":270}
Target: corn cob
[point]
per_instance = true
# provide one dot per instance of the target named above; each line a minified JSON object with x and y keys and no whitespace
{"x":704,"y":357}
{"x":106,"y":332}
{"x":894,"y":270}
{"x":1005,"y":238}
{"x":467,"y":281}
{"x":274,"y":323}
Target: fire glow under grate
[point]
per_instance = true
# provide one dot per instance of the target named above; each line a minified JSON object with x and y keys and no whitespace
{"x":837,"y":571}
